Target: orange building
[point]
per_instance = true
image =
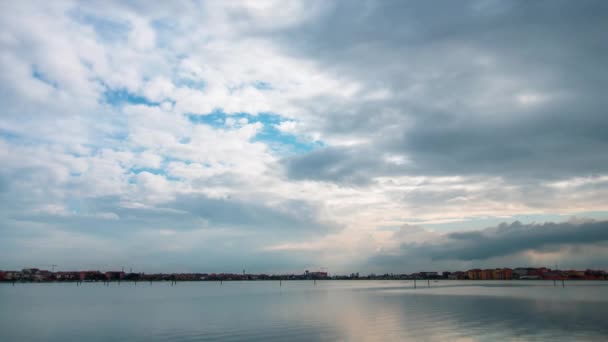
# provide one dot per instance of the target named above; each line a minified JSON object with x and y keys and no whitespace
{"x":503,"y":274}
{"x":474,"y":274}
{"x":487,"y":274}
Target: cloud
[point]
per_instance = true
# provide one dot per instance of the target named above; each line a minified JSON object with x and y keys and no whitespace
{"x":469,"y":93}
{"x":517,"y":237}
{"x":108,"y":215}
{"x":289,"y":218}
{"x":340,"y":165}
{"x":309,"y":129}
{"x":564,"y":242}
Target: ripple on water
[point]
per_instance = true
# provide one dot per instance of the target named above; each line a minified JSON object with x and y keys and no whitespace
{"x":298,"y":311}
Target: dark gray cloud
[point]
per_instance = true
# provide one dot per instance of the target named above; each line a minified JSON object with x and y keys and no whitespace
{"x":455,"y":72}
{"x":340,"y":165}
{"x":517,"y":237}
{"x":502,"y":241}
{"x":570,"y":244}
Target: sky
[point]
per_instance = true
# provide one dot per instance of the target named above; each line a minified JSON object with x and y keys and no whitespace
{"x":283,"y":136}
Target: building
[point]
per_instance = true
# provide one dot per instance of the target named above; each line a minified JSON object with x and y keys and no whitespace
{"x":474,"y":274}
{"x":554,"y":275}
{"x":572,"y":274}
{"x":431,"y":275}
{"x":529,"y":272}
{"x":115,"y":275}
{"x":43,"y":275}
{"x":91,"y":276}
{"x":457,"y":275}
{"x":519,"y":272}
{"x":595,"y":275}
{"x":67,"y":276}
{"x":487,"y":274}
{"x":318,"y":275}
{"x":12,"y":275}
{"x":503,"y":274}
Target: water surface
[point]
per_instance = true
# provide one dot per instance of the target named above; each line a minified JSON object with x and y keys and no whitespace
{"x":303,"y":311}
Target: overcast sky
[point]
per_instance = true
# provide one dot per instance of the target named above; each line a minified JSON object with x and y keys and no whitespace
{"x":278,"y":136}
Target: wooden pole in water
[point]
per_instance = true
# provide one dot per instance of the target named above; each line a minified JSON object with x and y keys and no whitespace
{"x":428,"y":283}
{"x":414,"y":282}
{"x":280,"y":282}
{"x":563,"y":283}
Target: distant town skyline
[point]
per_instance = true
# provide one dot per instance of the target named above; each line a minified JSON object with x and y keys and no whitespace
{"x":272,"y":136}
{"x":519,"y":273}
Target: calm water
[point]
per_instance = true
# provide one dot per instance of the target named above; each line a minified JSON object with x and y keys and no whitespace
{"x":301,"y":311}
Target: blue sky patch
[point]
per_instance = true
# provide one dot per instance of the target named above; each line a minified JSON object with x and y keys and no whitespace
{"x":118,"y":97}
{"x":190,"y":83}
{"x":278,"y":141}
{"x":153,"y":171}
{"x":8,"y":135}
{"x":40,"y":76}
{"x":260,"y":85}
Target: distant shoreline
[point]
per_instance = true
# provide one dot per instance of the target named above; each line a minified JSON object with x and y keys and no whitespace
{"x":521,"y":273}
{"x":278,"y":280}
